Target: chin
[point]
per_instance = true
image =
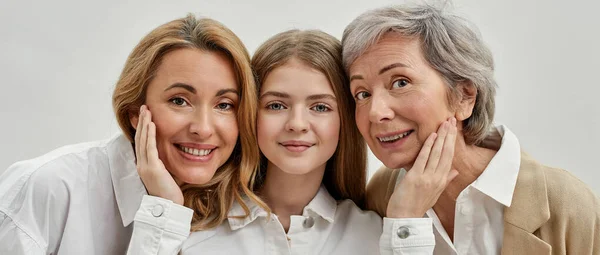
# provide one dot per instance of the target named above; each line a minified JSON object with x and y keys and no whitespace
{"x":297,"y":169}
{"x":196,"y":176}
{"x":395,"y":161}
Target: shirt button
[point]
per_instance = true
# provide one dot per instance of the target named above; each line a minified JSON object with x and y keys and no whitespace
{"x":308,"y":222}
{"x":157,"y":210}
{"x":403,"y":232}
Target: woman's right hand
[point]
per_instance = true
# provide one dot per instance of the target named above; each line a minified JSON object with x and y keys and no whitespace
{"x":432,"y":171}
{"x":156,"y":178}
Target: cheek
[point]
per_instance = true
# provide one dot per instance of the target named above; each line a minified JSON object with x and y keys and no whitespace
{"x":167,"y":124}
{"x":266,"y":126}
{"x":227,"y":126}
{"x":429,"y":112}
{"x":328,"y":129}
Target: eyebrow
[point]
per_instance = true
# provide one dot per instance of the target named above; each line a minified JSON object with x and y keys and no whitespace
{"x":225,"y":91}
{"x":383,"y":70}
{"x":193,"y":90}
{"x":183,"y":86}
{"x":320,"y":96}
{"x":390,"y":67}
{"x":286,"y":95}
{"x":275,"y":94}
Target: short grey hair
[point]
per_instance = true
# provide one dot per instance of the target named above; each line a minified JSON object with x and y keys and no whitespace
{"x":450,"y":46}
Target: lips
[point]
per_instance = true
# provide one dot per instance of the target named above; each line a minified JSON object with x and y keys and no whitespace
{"x":296,"y":145}
{"x":394,"y":140}
{"x":390,"y":138}
{"x":196,"y":152}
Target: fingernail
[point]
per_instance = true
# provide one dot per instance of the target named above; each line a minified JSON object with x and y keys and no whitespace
{"x":142,"y":109}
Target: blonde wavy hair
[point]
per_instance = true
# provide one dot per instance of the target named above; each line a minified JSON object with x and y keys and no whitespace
{"x":345,"y":174}
{"x":211,"y":201}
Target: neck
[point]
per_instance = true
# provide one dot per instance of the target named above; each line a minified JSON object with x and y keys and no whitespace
{"x":287,"y":194}
{"x":470,"y":161}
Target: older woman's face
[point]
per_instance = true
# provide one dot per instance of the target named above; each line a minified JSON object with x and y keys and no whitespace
{"x":400,"y":99}
{"x":193,"y":99}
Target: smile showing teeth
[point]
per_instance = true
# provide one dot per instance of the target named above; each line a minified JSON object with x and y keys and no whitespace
{"x":393,"y":138}
{"x":195,"y":152}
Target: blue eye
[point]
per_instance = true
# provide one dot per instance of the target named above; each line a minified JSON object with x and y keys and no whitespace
{"x":320,"y":108}
{"x":362,"y":95}
{"x":399,"y":83}
{"x":275,"y":106}
{"x":178,"y":101}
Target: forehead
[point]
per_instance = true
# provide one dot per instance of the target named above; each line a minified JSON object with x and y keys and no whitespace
{"x":297,"y":78}
{"x":197,"y":68}
{"x":391,"y":48}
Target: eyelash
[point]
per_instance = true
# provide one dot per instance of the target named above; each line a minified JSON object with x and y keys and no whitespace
{"x":185,"y":103}
{"x":327,"y":108}
{"x":270,"y":105}
{"x":399,"y":79}
{"x":283,"y":107}
{"x":356,"y":96}
{"x":394,"y":80}
{"x":229,"y":105}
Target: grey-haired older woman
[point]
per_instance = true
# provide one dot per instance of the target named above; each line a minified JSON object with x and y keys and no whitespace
{"x":412,"y":67}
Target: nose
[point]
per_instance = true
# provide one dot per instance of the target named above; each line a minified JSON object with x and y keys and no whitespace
{"x":297,"y":121}
{"x":202,"y":123}
{"x":380,"y":110}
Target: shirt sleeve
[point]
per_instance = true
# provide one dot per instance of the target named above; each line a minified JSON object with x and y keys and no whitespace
{"x":160,"y":227}
{"x":15,"y":240}
{"x":33,"y":209}
{"x":407,"y":236}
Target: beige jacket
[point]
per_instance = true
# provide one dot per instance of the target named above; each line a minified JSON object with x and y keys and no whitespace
{"x":552,"y":212}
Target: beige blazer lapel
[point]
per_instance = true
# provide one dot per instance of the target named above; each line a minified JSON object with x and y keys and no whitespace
{"x":529,"y":210}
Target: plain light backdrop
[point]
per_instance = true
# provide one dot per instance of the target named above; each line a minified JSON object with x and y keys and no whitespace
{"x":59,"y":61}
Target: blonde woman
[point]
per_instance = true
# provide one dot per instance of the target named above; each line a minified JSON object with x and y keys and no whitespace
{"x":188,"y":87}
{"x":313,"y":169}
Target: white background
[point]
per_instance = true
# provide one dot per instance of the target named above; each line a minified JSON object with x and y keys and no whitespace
{"x":59,"y":61}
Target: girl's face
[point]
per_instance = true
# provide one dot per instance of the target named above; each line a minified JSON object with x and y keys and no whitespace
{"x":298,"y":119}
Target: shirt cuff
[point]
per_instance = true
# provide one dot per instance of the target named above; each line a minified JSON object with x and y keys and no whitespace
{"x":165,"y":214}
{"x":407,"y":232}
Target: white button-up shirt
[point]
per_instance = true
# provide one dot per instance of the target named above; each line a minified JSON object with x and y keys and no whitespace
{"x":479,"y":212}
{"x":82,"y":199}
{"x":78,"y":199}
{"x":326,"y":226}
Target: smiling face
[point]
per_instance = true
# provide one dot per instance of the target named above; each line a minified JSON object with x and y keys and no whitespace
{"x":193,"y":99}
{"x":400,"y":99}
{"x":298,"y":120}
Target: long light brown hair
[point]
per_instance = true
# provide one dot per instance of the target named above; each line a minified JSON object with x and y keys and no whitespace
{"x":345,"y":174}
{"x":211,"y":201}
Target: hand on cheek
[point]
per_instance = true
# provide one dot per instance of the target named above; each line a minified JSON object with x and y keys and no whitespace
{"x":429,"y":176}
{"x":156,"y":178}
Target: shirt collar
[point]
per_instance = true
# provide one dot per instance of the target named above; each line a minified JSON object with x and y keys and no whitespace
{"x":322,"y":205}
{"x":499,"y":178}
{"x":127,"y":184}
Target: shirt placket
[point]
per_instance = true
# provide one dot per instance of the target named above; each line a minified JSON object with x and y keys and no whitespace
{"x":300,"y":234}
{"x":276,"y":239}
{"x":463,"y":224}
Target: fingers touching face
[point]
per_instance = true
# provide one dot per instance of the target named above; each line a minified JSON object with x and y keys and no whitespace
{"x":192,"y":101}
{"x":400,"y":99}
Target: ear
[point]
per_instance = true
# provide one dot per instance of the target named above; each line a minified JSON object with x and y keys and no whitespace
{"x":134,"y":117}
{"x":466,"y":101}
